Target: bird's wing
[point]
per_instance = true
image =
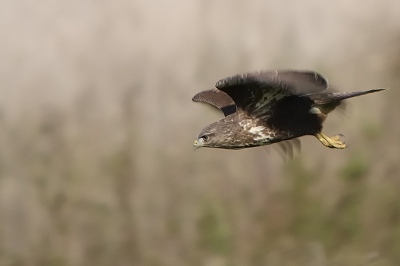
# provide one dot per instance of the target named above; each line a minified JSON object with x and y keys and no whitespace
{"x":258,"y":91}
{"x":327,"y":102}
{"x":216,"y":98}
{"x":324,"y":98}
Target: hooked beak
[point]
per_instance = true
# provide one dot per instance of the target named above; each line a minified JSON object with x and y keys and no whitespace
{"x":197,"y":144}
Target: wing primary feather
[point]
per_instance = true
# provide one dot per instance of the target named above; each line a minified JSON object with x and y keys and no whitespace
{"x":296,"y":81}
{"x":323,"y":98}
{"x":218,"y":99}
{"x":256,"y":92}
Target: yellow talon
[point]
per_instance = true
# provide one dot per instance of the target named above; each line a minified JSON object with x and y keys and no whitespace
{"x":331,"y":142}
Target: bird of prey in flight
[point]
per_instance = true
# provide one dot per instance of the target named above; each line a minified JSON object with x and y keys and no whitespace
{"x":265,"y":107}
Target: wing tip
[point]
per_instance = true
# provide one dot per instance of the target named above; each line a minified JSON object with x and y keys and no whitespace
{"x":195,"y":98}
{"x":198,"y":97}
{"x":374,"y":90}
{"x":379,"y":89}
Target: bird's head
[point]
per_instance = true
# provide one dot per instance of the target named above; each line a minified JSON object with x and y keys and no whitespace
{"x":213,"y":136}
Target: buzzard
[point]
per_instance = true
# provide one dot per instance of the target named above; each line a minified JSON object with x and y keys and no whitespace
{"x":266,"y":107}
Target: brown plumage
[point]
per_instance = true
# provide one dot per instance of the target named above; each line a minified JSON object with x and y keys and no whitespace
{"x":265,"y":107}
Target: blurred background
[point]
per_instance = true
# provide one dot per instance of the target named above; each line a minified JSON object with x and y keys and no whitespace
{"x":97,"y":126}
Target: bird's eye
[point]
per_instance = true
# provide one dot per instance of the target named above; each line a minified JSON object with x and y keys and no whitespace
{"x":205,"y":138}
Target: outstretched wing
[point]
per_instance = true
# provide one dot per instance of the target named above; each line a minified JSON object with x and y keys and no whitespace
{"x":216,"y":98}
{"x":325,"y":98}
{"x":327,"y":102}
{"x":256,"y":92}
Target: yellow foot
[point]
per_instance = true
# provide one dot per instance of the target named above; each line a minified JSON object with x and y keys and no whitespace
{"x":331,"y":142}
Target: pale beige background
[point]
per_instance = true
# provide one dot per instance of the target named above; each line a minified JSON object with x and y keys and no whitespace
{"x":97,"y":125}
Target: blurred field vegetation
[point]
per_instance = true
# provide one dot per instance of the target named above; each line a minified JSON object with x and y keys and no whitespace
{"x":97,"y":125}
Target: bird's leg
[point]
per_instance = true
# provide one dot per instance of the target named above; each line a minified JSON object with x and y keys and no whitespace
{"x":331,"y":142}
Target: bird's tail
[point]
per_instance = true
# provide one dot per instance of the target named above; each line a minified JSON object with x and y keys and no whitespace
{"x":345,"y":95}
